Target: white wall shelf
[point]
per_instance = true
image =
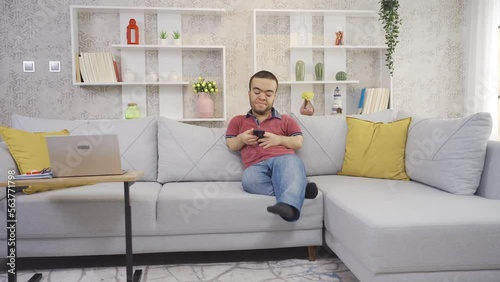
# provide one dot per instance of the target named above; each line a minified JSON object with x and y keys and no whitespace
{"x":166,"y":47}
{"x":343,"y":13}
{"x":170,"y":59}
{"x":347,"y":47}
{"x":131,"y":83}
{"x":145,"y":10}
{"x":308,"y":46}
{"x":319,"y":82}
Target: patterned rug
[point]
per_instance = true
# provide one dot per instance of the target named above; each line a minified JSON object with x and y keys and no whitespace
{"x":326,"y":268}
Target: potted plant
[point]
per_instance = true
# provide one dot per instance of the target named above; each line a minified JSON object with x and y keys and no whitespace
{"x":389,"y":16}
{"x":307,"y":107}
{"x":177,"y":37}
{"x":205,"y":104}
{"x":163,"y":37}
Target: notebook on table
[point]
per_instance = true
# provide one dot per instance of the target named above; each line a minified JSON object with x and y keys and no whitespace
{"x":84,"y":155}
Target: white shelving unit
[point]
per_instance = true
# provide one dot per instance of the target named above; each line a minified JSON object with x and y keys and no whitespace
{"x":133,"y":57}
{"x":334,"y":57}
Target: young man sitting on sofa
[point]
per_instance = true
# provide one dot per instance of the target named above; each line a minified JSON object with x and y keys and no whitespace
{"x":267,"y":142}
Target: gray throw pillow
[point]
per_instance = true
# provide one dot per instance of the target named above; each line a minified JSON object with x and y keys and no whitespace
{"x":195,"y":153}
{"x":324,"y":140}
{"x":447,"y":153}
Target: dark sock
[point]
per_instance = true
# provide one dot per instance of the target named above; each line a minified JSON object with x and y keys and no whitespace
{"x":311,"y":190}
{"x":284,"y":210}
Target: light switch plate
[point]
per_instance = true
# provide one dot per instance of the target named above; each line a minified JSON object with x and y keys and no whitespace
{"x":54,"y":66}
{"x":28,"y":66}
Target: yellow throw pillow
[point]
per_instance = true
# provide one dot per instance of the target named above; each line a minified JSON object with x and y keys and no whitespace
{"x":28,"y":149}
{"x":376,"y":150}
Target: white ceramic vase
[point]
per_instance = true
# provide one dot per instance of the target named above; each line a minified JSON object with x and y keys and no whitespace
{"x":128,"y":76}
{"x":151,"y":77}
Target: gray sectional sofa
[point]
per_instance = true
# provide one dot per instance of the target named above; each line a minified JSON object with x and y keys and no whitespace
{"x":433,"y":228}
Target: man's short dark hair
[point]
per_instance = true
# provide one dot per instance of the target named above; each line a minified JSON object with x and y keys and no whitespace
{"x":263,"y":74}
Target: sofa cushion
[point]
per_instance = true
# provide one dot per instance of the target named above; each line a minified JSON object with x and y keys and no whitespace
{"x":85,"y":211}
{"x":324,"y":140}
{"x":406,"y":226}
{"x":375,"y":149}
{"x":224,"y":207}
{"x":195,"y":153}
{"x":447,"y":153}
{"x":28,"y":149}
{"x":137,"y":137}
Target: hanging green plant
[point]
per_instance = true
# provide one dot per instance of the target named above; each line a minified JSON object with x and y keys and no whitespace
{"x":389,"y":17}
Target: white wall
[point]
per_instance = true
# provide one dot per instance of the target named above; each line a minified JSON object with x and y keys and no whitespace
{"x":428,"y":61}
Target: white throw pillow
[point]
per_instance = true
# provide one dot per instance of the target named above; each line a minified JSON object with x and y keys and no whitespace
{"x":447,"y":153}
{"x":195,"y":153}
{"x":324,"y":140}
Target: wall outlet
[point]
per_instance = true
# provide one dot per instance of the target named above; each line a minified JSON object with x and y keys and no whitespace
{"x":54,"y":66}
{"x":28,"y":66}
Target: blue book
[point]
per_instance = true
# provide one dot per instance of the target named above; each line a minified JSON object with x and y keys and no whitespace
{"x":33,"y":176}
{"x":361,"y":100}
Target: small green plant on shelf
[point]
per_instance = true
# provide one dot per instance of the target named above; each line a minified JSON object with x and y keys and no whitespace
{"x":176,"y":34}
{"x":163,"y":34}
{"x":201,"y":85}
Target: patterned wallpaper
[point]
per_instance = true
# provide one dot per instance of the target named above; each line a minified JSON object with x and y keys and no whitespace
{"x":428,"y":61}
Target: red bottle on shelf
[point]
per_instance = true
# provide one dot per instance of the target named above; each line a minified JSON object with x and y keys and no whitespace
{"x":132,"y":32}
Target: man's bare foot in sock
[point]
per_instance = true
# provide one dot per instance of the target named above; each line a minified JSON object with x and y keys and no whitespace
{"x":311,"y":190}
{"x":286,"y":211}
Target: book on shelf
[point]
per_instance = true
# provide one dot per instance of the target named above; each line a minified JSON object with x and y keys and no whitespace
{"x":361,"y":101}
{"x":77,"y":67}
{"x":375,"y":100}
{"x":98,"y":67}
{"x":117,"y":66}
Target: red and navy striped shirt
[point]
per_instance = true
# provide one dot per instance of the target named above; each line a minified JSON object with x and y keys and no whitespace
{"x":278,"y":124}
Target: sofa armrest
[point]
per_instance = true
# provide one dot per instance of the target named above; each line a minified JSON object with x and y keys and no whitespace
{"x":489,"y":186}
{"x":6,"y":162}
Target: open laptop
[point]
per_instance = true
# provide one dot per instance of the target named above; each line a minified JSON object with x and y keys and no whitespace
{"x":84,"y":155}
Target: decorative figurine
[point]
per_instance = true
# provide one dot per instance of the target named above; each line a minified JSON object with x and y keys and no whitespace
{"x":339,"y":37}
{"x":132,"y":32}
{"x":337,"y":102}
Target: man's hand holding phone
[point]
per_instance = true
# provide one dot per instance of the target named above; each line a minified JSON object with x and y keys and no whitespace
{"x":259,"y":133}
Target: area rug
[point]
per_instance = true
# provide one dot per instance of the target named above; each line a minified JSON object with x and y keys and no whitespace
{"x":296,"y":270}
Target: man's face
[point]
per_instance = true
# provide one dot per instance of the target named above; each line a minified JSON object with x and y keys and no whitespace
{"x":261,"y":95}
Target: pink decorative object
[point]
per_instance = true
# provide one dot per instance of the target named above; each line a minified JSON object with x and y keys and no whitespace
{"x":204,"y":106}
{"x":307,"y":108}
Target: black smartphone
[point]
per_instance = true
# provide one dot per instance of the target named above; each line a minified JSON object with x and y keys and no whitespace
{"x":259,"y":133}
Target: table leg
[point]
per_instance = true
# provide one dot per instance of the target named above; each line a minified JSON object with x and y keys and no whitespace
{"x":131,"y":277}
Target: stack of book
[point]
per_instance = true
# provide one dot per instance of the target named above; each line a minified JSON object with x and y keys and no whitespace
{"x":373,"y":100}
{"x":33,"y":176}
{"x":97,"y":67}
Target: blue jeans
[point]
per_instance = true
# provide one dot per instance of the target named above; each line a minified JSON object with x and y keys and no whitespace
{"x":283,"y":176}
